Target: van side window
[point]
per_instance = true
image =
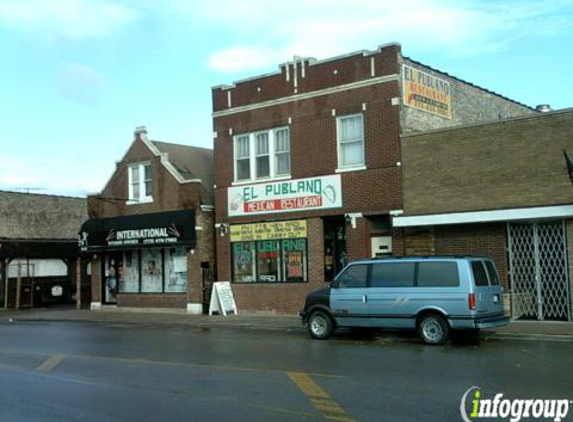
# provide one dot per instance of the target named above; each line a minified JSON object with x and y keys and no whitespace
{"x":493,"y":277}
{"x":480,"y":276}
{"x":438,"y":274}
{"x":393,"y":275}
{"x":354,"y":276}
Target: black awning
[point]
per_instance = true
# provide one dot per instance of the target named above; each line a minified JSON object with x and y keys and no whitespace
{"x":154,"y":230}
{"x":23,"y":248}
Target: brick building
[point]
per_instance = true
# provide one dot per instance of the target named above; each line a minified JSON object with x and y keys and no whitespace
{"x":499,"y":189}
{"x":308,"y":165}
{"x":150,"y":232}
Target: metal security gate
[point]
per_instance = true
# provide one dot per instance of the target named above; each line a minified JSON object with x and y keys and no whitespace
{"x":538,"y":271}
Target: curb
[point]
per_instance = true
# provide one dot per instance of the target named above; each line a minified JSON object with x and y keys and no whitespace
{"x":486,"y":335}
{"x":527,"y":336}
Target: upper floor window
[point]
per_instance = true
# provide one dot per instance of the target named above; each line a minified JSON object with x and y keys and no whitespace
{"x":350,"y":130}
{"x":140,"y":182}
{"x":262,"y":155}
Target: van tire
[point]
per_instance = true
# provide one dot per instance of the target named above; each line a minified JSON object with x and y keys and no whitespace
{"x":433,"y":329}
{"x":320,"y":325}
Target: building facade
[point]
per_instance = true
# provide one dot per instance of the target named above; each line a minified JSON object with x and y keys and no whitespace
{"x":150,"y":232}
{"x":309,"y":167}
{"x":39,"y":253}
{"x":500,"y":189}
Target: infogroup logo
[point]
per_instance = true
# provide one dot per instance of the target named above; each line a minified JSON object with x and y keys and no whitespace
{"x":514,"y":409}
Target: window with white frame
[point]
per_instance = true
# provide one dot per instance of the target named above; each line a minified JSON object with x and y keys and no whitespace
{"x":263,"y":160}
{"x":350,"y":130}
{"x":282,"y":152}
{"x":262,"y":155}
{"x":242,"y":158}
{"x":140,"y":182}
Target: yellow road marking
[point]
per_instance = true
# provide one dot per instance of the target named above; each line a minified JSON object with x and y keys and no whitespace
{"x":319,"y":398}
{"x":49,"y":364}
{"x":172,"y":363}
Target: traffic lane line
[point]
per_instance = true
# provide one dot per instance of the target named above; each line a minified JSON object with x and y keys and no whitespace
{"x":49,"y":364}
{"x":319,"y":398}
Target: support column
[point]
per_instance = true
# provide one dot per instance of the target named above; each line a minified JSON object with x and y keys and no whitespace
{"x":3,"y":283}
{"x":78,"y":283}
{"x":96,"y":283}
{"x":199,"y":257}
{"x":18,"y":286}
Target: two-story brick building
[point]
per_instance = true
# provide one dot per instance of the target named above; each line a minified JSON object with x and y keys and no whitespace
{"x":308,"y":165}
{"x":150,"y":232}
{"x":499,"y":189}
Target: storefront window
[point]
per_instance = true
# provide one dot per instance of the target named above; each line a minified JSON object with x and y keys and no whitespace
{"x":129,"y":280}
{"x":151,"y":270}
{"x":295,"y":259}
{"x":244,"y":262}
{"x":175,"y":270}
{"x":270,"y":261}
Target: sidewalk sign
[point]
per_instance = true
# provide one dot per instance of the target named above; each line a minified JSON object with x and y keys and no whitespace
{"x":222,"y":300}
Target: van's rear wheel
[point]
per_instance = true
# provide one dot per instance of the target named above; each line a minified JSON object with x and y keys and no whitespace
{"x":433,"y":329}
{"x":320,"y":325}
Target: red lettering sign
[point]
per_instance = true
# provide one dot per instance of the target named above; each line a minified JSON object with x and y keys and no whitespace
{"x":283,"y":204}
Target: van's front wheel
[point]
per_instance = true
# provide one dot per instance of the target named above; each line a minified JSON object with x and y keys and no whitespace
{"x":320,"y":325}
{"x":433,"y":329}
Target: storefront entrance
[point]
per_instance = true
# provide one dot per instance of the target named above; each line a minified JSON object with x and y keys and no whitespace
{"x":113,"y":277}
{"x":335,"y":257}
{"x":538,"y":271}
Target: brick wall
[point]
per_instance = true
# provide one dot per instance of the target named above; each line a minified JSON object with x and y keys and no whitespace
{"x":475,"y":239}
{"x":317,"y":75}
{"x":97,"y":278}
{"x":152,"y":300}
{"x":511,"y":164}
{"x":470,"y":104}
{"x":358,"y":240}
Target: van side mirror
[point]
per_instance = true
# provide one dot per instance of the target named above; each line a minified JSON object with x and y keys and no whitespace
{"x":334,"y":284}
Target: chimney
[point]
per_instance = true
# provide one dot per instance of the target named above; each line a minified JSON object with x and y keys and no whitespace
{"x":140,"y":132}
{"x":543,"y":108}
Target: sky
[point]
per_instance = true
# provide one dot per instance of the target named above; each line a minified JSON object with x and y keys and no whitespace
{"x":77,"y":76}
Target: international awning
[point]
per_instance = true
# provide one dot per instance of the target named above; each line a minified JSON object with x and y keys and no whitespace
{"x":154,"y":230}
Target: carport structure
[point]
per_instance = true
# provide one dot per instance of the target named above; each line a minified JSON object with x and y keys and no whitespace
{"x":37,"y":231}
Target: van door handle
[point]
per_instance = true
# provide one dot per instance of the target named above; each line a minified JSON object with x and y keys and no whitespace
{"x":364,"y":298}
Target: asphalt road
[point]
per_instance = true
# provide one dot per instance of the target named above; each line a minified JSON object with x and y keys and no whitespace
{"x":60,"y":371}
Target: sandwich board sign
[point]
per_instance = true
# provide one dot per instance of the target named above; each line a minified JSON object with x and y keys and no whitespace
{"x":222,"y":300}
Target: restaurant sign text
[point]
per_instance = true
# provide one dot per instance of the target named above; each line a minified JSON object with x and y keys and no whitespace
{"x":285,"y":196}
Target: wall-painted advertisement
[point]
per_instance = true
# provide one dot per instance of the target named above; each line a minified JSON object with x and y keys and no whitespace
{"x":290,"y":195}
{"x":426,"y":92}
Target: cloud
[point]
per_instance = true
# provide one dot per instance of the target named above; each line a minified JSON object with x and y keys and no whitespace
{"x":39,"y":175}
{"x":75,"y":20}
{"x":78,"y":83}
{"x":327,"y":28}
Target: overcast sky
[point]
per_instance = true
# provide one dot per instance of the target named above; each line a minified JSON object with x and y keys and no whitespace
{"x":77,"y":76}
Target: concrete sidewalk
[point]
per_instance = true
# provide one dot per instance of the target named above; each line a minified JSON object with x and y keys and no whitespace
{"x":531,"y":330}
